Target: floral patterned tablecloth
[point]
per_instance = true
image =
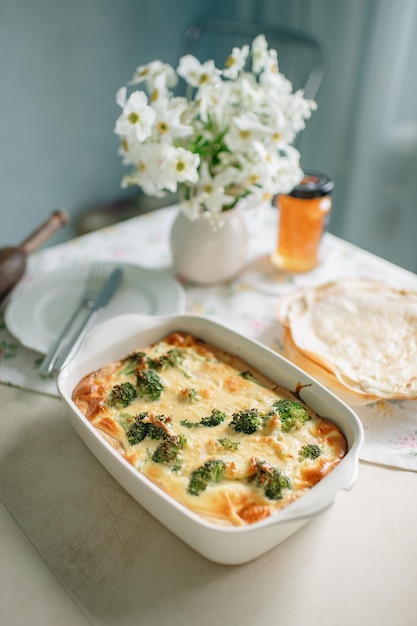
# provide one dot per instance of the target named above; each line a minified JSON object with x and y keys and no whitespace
{"x":247,"y":303}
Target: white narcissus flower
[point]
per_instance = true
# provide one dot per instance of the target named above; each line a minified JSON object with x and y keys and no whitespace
{"x":211,"y":192}
{"x":248,"y":93}
{"x":257,"y":198}
{"x":121,"y":97}
{"x":137,"y":117}
{"x":276,"y":82}
{"x":259,"y":53}
{"x":298,"y":109}
{"x":265,"y":171}
{"x":168,"y":124}
{"x":271,"y":63}
{"x":228,"y":143}
{"x":197,"y":74}
{"x":180,"y":166}
{"x":155,"y":74}
{"x":235,"y":62}
{"x":147,"y":160}
{"x":209,"y":103}
{"x":244,"y":130}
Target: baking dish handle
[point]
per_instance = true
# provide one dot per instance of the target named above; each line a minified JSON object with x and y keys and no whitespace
{"x":342,"y":477}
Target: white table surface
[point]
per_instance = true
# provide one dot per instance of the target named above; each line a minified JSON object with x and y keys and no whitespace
{"x":76,"y":549}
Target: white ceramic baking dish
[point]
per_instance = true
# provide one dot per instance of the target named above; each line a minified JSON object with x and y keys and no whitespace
{"x":121,"y":335}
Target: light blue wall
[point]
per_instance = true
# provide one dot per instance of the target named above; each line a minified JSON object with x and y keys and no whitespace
{"x":61,"y":64}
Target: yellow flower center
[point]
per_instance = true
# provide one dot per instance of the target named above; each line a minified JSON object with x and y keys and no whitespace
{"x":162,"y":127}
{"x":124,"y":144}
{"x":154,"y":95}
{"x":244,"y":134}
{"x":230,"y":61}
{"x":180,"y":166}
{"x":203,"y":79}
{"x":141,"y":166}
{"x":208,"y":188}
{"x":133,"y":117}
{"x":276,"y":136}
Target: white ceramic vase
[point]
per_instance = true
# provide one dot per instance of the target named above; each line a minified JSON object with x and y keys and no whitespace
{"x":205,"y":254}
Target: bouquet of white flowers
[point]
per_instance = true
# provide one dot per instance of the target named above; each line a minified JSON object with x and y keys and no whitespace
{"x":228,"y":143}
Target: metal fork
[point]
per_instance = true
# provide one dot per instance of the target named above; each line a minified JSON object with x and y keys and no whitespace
{"x":93,"y":283}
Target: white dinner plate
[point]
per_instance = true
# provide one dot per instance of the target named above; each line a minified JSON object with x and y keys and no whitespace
{"x":39,"y":309}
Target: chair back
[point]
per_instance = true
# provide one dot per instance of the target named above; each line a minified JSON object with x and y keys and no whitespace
{"x":300,"y":56}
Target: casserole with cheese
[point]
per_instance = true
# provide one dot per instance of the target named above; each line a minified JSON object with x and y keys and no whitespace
{"x":209,"y":430}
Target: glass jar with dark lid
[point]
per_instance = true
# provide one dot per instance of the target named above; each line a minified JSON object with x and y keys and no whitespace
{"x":313,"y":185}
{"x":303,"y":215}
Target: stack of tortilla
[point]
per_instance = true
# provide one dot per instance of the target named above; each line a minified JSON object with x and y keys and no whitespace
{"x":357,"y":336}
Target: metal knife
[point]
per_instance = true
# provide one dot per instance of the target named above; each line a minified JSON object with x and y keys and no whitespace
{"x":103,"y":297}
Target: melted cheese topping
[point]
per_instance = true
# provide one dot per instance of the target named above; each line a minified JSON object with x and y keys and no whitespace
{"x":204,"y":379}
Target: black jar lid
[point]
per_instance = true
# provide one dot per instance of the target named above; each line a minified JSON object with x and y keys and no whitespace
{"x":313,"y":185}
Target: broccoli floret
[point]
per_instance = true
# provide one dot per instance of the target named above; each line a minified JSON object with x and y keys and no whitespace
{"x":137,"y":357}
{"x":309,"y":451}
{"x":121,"y":395}
{"x":229,"y":444}
{"x":137,"y":430}
{"x":214,"y":419}
{"x":189,"y":395}
{"x":189,"y":424}
{"x":169,"y":448}
{"x":155,"y":428}
{"x":141,"y":427}
{"x":140,"y":360}
{"x":149,"y":384}
{"x":270,"y":479}
{"x":210,"y":472}
{"x":173,"y":357}
{"x":291,"y":413}
{"x":136,"y":360}
{"x":247,"y":421}
{"x":249,"y":376}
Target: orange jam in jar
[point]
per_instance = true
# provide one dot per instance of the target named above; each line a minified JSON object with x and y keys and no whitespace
{"x":303,"y":215}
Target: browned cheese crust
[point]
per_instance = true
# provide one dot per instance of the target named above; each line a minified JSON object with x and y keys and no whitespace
{"x":196,"y":412}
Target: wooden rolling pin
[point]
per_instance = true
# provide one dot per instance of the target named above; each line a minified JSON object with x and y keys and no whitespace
{"x":13,"y":259}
